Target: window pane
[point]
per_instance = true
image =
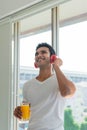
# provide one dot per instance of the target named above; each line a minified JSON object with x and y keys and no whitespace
{"x":73,"y":44}
{"x":33,"y":31}
{"x":72,"y":50}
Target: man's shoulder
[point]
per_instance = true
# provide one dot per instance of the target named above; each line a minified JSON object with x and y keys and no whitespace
{"x":29,"y":82}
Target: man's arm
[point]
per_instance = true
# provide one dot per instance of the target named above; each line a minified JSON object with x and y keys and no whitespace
{"x":67,"y":87}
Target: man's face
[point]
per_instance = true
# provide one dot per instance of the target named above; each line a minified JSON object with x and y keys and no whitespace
{"x":42,"y":56}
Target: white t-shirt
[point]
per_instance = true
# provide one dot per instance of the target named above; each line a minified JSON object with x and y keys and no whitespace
{"x":47,"y":105}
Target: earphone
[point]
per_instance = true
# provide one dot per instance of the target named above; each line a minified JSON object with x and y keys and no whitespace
{"x":35,"y":65}
{"x":53,"y":58}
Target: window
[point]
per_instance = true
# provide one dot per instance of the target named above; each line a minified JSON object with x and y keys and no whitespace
{"x":33,"y":31}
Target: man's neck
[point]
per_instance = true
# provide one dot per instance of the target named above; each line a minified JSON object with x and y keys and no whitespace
{"x":44,"y":74}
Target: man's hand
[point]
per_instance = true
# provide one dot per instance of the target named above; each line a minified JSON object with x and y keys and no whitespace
{"x":17,"y":112}
{"x":56,"y":60}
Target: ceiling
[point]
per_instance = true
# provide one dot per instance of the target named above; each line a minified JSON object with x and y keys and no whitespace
{"x":8,"y":7}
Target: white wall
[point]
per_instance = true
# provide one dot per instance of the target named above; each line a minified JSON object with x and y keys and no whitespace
{"x":5,"y":74}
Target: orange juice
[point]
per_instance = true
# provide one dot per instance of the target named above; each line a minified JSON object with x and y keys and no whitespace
{"x":25,"y":108}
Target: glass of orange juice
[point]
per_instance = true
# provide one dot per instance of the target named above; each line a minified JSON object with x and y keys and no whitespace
{"x":26,"y":112}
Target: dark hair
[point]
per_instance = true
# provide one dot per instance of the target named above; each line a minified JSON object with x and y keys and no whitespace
{"x":52,"y":51}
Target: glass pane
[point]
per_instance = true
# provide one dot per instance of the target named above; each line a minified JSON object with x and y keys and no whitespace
{"x":72,"y":50}
{"x":28,"y":45}
{"x":31,"y":34}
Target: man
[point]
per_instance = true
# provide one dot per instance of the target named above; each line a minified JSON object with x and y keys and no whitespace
{"x":47,"y":92}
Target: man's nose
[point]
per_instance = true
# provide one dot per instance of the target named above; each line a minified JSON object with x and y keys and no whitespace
{"x":39,"y":54}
